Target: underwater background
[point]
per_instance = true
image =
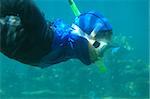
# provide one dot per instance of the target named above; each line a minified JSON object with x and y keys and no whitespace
{"x":127,"y":75}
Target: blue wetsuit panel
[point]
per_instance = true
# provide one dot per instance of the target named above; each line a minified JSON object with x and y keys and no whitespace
{"x":66,"y":45}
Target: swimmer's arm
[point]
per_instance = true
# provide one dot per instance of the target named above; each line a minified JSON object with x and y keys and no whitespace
{"x":32,"y":38}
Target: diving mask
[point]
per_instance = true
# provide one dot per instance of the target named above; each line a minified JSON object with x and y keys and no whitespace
{"x":99,"y":44}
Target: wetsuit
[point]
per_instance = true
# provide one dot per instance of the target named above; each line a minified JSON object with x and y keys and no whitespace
{"x":28,"y":38}
{"x":25,"y":35}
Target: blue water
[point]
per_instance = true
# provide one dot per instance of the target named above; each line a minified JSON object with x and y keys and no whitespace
{"x":127,"y":73}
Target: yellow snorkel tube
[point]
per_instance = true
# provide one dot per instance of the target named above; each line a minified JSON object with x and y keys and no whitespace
{"x":99,"y":63}
{"x":74,"y":8}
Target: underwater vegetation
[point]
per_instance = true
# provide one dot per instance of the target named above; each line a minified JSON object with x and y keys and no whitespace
{"x":126,"y":78}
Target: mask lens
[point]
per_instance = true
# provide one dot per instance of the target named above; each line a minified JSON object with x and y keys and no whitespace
{"x":96,"y":44}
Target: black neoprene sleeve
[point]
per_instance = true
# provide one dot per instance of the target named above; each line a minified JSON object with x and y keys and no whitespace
{"x":32,"y":38}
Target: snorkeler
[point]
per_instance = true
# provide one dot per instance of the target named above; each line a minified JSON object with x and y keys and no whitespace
{"x":27,"y":37}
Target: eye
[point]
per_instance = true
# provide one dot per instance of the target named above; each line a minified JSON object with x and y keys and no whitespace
{"x":96,"y":44}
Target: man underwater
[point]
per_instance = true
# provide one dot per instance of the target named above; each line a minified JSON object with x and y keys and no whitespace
{"x":28,"y":38}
